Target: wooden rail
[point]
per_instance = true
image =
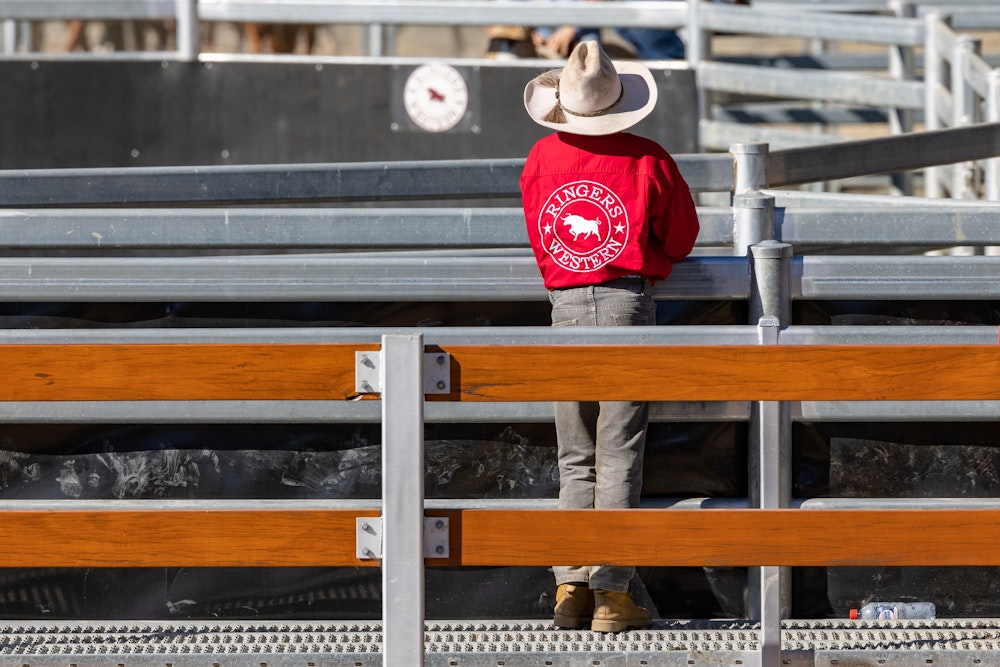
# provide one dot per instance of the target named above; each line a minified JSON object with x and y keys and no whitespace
{"x":683,"y":537}
{"x":206,"y":372}
{"x":190,"y":536}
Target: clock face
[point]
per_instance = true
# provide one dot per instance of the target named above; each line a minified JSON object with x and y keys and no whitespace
{"x":435,"y":97}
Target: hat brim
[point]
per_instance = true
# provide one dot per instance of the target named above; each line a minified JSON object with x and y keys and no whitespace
{"x":638,"y":99}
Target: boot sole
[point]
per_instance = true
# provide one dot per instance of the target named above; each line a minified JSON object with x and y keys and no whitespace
{"x":570,"y":622}
{"x":618,"y":626}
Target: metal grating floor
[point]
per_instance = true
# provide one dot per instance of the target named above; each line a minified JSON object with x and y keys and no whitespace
{"x":942,"y":643}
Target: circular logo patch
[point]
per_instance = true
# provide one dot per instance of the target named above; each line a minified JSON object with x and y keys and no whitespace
{"x":583,"y":226}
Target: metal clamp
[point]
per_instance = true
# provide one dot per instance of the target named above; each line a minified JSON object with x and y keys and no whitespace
{"x":369,"y":538}
{"x":368,"y":375}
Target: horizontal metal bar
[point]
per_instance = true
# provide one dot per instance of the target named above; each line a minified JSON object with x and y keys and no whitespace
{"x":834,"y":27}
{"x":326,"y":412}
{"x":431,"y":12}
{"x":835,"y":201}
{"x":720,"y":135}
{"x":842,"y":87}
{"x":895,"y":277}
{"x":437,"y":504}
{"x":262,"y":184}
{"x":350,"y":277}
{"x":434,"y":277}
{"x":499,"y":336}
{"x":887,"y":154}
{"x":899,"y":503}
{"x":275,"y":228}
{"x":299,"y":183}
{"x":92,"y":9}
{"x":369,"y":412}
{"x":899,"y":411}
{"x":787,"y":112}
{"x":898,"y":226}
{"x":901,"y":334}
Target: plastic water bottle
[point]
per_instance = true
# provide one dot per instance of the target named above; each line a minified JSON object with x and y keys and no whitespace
{"x":894,"y":611}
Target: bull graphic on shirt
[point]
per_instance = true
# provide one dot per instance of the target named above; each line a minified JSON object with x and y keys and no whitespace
{"x":580,"y":225}
{"x":583,"y":226}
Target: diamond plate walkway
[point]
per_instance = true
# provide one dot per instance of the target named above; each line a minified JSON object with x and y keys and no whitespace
{"x":828,"y":643}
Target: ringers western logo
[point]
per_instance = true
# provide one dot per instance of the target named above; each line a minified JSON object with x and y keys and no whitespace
{"x":583,"y":226}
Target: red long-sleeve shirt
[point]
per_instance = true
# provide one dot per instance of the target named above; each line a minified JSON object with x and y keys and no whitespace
{"x":604,"y":207}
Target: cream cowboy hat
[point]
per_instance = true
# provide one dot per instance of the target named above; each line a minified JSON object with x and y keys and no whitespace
{"x":592,"y":94}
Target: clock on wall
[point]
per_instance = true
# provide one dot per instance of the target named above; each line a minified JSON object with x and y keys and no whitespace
{"x":435,"y":97}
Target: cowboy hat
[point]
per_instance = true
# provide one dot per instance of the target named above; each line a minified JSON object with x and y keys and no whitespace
{"x":592,"y":94}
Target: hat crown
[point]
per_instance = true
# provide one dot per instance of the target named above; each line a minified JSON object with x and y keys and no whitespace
{"x":592,"y":94}
{"x":589,"y":82}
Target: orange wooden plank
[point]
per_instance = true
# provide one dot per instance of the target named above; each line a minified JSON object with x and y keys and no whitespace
{"x":716,"y":373}
{"x":177,"y":372}
{"x":180,"y":538}
{"x":321,"y":538}
{"x":789,"y":537}
{"x":506,"y":373}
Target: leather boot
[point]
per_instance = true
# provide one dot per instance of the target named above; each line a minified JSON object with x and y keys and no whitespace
{"x":574,"y":607}
{"x":616,"y":612}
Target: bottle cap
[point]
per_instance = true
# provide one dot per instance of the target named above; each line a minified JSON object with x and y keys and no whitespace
{"x":854,"y":613}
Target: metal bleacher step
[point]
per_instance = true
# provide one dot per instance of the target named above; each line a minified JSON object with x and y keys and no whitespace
{"x":825,"y":642}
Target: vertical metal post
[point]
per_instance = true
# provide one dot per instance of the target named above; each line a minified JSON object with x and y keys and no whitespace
{"x":697,"y":50}
{"x":373,"y":40}
{"x":902,"y":68}
{"x":9,"y":37}
{"x":769,"y":588}
{"x":749,"y":166}
{"x":188,"y":36}
{"x":932,"y":86}
{"x":753,"y":220}
{"x":964,"y":112}
{"x":993,"y":116}
{"x":402,"y":500}
{"x":770,"y":288}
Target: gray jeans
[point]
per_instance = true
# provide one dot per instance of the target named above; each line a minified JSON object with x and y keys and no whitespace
{"x":601,"y":445}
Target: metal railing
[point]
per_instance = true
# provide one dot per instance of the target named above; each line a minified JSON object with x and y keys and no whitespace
{"x":753,"y":260}
{"x":441,"y":253}
{"x":959,"y":86}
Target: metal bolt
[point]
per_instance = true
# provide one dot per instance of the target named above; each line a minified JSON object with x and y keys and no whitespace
{"x":441,"y":360}
{"x":367,"y":553}
{"x":439,"y":549}
{"x":439,"y":524}
{"x":441,"y":384}
{"x":365,"y":526}
{"x":366,"y":361}
{"x":365,"y":386}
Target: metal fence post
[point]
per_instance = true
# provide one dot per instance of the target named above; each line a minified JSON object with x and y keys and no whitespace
{"x":933,"y":75}
{"x":698,"y":50}
{"x":8,"y":36}
{"x":902,"y":68}
{"x":769,"y":588}
{"x":749,"y":166}
{"x":963,"y":98}
{"x":992,"y":116}
{"x":402,"y":500}
{"x":753,"y":220}
{"x":188,"y":35}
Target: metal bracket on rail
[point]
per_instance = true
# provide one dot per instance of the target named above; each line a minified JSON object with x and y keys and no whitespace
{"x":369,"y":537}
{"x":368,"y":372}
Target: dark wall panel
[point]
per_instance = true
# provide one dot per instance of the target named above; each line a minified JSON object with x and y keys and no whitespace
{"x":100,"y":114}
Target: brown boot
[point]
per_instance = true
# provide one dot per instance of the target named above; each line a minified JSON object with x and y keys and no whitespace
{"x":616,"y":612}
{"x":574,"y":607}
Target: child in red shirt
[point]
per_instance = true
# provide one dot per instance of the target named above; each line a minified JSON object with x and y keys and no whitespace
{"x":607,"y":215}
